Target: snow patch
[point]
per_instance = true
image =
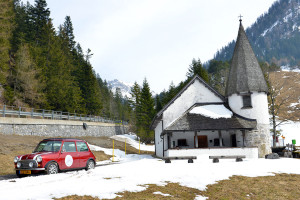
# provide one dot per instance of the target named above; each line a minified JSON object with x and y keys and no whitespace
{"x":291,"y":131}
{"x":212,"y":111}
{"x":160,"y":193}
{"x":269,"y":29}
{"x":288,"y":16}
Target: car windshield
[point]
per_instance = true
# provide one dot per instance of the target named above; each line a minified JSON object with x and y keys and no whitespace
{"x":52,"y":146}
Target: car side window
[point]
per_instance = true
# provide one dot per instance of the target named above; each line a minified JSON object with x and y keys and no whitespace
{"x":81,"y":146}
{"x":69,"y":147}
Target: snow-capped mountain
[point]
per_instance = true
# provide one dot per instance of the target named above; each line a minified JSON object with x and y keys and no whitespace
{"x":275,"y":36}
{"x":124,"y":87}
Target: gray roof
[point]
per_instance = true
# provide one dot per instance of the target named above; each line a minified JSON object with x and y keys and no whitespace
{"x":245,"y":73}
{"x":198,"y":122}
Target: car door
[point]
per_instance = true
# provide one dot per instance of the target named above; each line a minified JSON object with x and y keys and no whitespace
{"x":69,"y":157}
{"x":84,"y":153}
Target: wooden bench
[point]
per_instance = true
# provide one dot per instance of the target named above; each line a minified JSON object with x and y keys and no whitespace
{"x":238,"y":158}
{"x":189,"y":158}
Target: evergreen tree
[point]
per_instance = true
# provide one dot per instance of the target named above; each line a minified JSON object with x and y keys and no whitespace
{"x":40,"y":15}
{"x":7,"y":24}
{"x":197,"y":68}
{"x":135,"y":103}
{"x":68,"y":33}
{"x":26,"y":82}
{"x":147,"y":113}
{"x":158,"y":106}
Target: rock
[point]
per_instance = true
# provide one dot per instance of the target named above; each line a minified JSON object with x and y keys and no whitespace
{"x":272,"y":156}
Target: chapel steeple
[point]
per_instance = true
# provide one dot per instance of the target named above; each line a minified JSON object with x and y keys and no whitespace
{"x":245,"y":74}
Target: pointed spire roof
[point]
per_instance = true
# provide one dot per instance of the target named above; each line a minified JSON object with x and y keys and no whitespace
{"x":245,"y":74}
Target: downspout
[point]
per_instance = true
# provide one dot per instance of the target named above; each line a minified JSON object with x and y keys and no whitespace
{"x":162,"y":128}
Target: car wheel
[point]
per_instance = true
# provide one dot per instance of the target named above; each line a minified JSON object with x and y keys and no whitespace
{"x":90,"y":165}
{"x":20,"y":175}
{"x":52,"y":168}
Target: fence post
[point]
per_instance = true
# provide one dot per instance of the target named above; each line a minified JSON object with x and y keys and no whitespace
{"x":60,"y":115}
{"x":74,"y":116}
{"x":20,"y":112}
{"x":43,"y":113}
{"x":4,"y":106}
{"x":32,"y":112}
{"x":68,"y":116}
{"x":80,"y":118}
{"x":52,"y":117}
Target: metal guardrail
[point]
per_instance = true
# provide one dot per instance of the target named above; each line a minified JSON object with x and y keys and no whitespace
{"x":21,"y":112}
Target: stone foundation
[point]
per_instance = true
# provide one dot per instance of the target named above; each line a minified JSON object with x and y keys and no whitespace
{"x":260,"y":138}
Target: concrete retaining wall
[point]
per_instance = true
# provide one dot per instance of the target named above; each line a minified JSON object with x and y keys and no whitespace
{"x":58,"y":128}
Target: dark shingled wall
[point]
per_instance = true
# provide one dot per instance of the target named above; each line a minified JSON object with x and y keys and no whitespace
{"x":245,"y":73}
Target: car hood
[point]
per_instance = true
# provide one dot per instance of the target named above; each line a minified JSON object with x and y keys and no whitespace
{"x":32,"y":156}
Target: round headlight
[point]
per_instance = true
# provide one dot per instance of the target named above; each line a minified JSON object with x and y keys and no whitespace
{"x":16,"y":159}
{"x":18,"y":165}
{"x":39,"y":158}
{"x":31,"y":164}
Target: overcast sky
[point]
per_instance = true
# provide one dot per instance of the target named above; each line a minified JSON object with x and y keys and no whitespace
{"x":154,"y":39}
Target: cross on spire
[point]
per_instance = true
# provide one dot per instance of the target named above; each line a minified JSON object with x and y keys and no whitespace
{"x":240,"y":18}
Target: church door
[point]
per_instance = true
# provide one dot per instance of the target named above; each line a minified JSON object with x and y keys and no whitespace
{"x":202,"y":141}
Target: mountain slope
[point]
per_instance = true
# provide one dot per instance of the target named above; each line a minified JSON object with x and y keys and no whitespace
{"x":125,"y":88}
{"x":275,"y":36}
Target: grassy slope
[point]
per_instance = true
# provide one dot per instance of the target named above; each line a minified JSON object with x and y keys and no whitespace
{"x":290,"y":83}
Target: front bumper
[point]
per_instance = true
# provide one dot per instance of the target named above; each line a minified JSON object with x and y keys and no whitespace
{"x":32,"y":169}
{"x":25,"y":165}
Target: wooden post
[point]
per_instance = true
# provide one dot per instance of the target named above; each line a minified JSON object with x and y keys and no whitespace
{"x":196,"y":140}
{"x":139,"y":146}
{"x":125,"y":147}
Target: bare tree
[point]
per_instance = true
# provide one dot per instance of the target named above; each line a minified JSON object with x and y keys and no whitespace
{"x":282,"y":92}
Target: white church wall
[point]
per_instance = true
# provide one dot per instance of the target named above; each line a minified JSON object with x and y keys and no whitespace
{"x":158,"y":140}
{"x":259,"y":104}
{"x":249,"y":152}
{"x":195,"y":93}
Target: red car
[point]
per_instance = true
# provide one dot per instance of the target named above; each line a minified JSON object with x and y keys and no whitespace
{"x":54,"y":155}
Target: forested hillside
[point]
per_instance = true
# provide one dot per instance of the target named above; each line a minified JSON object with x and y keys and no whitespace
{"x":44,"y":67}
{"x":275,"y":36}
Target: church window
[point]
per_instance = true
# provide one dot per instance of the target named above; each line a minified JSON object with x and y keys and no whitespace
{"x":247,"y":101}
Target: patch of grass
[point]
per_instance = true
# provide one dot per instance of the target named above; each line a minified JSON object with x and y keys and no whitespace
{"x":100,"y":156}
{"x":76,"y":197}
{"x":279,"y":187}
{"x":14,"y":145}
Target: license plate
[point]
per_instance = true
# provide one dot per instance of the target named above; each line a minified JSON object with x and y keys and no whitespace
{"x":25,"y":172}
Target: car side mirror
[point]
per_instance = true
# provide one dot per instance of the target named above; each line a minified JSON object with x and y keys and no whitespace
{"x":63,"y":151}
